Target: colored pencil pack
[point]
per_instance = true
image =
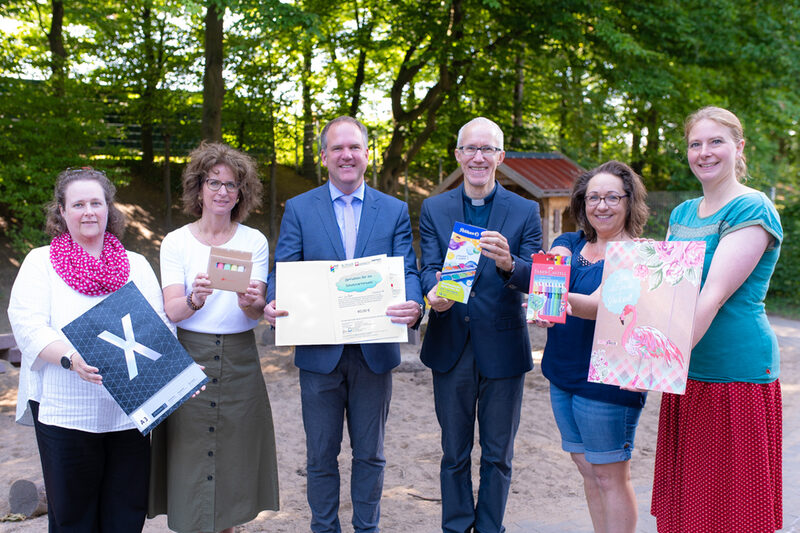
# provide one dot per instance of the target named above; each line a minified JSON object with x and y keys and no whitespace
{"x":549,"y":287}
{"x":229,"y":270}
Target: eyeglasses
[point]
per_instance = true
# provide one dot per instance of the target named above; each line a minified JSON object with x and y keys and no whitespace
{"x":215,"y":185}
{"x":487,"y":151}
{"x":611,"y":200}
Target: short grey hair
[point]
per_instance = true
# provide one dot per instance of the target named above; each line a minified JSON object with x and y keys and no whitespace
{"x":485,"y":122}
{"x":323,"y":137}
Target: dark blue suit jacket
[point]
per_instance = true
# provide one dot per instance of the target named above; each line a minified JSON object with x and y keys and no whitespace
{"x":309,"y":232}
{"x":493,"y":318}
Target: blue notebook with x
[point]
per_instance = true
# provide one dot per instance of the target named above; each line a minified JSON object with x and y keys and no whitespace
{"x":144,"y":367}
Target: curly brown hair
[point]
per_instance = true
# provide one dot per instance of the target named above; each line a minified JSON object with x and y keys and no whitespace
{"x":637,"y":210}
{"x":202,"y":160}
{"x":56,"y":225}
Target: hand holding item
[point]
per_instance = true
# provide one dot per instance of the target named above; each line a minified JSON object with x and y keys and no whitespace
{"x":438,"y":304}
{"x":250,"y":296}
{"x":407,"y":312}
{"x":495,"y":246}
{"x":201,"y":289}
{"x":538,"y":322}
{"x":201,"y":389}
{"x":85,"y":371}
{"x":270,"y":313}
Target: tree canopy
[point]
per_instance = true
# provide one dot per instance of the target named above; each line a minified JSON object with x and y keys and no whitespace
{"x":593,"y":80}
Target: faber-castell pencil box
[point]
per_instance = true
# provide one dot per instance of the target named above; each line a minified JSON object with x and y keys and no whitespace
{"x":547,"y":297}
{"x":229,"y":270}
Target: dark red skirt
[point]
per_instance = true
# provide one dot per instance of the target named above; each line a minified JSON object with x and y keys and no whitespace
{"x":718,"y":459}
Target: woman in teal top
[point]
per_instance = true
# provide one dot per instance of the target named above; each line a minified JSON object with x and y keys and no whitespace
{"x":718,"y":460}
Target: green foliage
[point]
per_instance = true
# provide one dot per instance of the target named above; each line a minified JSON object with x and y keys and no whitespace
{"x":785,"y":283}
{"x":593,"y":80}
{"x":40,"y":135}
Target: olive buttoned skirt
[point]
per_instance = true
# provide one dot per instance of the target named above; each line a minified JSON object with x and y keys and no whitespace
{"x":213,"y":460}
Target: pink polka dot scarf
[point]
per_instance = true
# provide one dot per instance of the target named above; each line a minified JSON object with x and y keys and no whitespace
{"x":86,"y":274}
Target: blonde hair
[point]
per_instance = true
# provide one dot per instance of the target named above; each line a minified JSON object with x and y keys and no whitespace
{"x":725,"y":118}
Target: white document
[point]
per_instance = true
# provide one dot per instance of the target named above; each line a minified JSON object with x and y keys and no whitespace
{"x":339,"y":302}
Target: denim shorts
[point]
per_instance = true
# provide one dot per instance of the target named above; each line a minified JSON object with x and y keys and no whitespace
{"x":602,"y":431}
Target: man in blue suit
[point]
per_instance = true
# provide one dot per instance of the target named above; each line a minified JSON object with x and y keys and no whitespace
{"x":341,"y":220}
{"x":479,"y":352}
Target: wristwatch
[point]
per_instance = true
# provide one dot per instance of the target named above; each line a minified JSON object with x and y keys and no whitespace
{"x":421,"y":310}
{"x":66,"y":359}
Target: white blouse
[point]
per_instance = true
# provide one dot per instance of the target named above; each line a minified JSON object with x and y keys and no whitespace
{"x":40,"y":305}
{"x":183,"y":256}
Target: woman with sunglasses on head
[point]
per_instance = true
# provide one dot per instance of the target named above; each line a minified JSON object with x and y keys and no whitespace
{"x":718,"y":458}
{"x":597,"y":422}
{"x":214,"y":463}
{"x":95,"y":463}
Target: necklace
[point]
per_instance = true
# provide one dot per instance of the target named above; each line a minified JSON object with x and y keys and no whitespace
{"x":215,"y":239}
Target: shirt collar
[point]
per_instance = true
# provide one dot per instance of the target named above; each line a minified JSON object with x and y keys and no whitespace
{"x":482,"y":201}
{"x":336,"y":193}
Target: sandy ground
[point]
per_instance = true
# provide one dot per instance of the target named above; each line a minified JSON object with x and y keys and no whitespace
{"x":546,"y":492}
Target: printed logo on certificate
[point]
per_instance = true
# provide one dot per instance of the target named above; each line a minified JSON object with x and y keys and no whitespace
{"x":144,"y":367}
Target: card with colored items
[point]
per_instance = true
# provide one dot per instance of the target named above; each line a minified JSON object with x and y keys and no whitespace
{"x":144,"y":367}
{"x":229,"y":270}
{"x":645,"y":319}
{"x":549,"y":288}
{"x":460,"y":263}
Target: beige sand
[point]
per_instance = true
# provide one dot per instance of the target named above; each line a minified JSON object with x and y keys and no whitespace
{"x":546,"y":487}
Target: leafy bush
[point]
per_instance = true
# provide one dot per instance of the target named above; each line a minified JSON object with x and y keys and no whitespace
{"x":41,"y":134}
{"x":785,"y":284}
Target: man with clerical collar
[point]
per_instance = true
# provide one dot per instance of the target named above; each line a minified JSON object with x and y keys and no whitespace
{"x":479,"y":352}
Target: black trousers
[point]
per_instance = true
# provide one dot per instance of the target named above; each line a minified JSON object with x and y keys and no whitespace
{"x":95,"y":482}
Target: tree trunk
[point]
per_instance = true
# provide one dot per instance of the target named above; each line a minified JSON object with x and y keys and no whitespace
{"x":309,"y":165}
{"x":653,"y":145}
{"x":397,"y":157}
{"x":636,"y":141}
{"x":273,"y":161}
{"x":148,"y":95}
{"x":27,"y":498}
{"x":517,"y":123}
{"x":166,"y":179}
{"x":213,"y":84}
{"x":55,"y":38}
{"x":359,"y":81}
{"x":146,"y":141}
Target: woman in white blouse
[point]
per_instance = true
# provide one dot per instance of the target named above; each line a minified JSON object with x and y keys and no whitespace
{"x":214,"y":462}
{"x":94,"y":461}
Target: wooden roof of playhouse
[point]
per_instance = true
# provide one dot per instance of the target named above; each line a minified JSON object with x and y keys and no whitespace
{"x":541,"y":174}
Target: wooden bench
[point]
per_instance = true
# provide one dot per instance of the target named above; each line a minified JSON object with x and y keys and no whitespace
{"x":9,"y":350}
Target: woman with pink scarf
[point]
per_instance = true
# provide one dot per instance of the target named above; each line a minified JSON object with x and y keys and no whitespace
{"x":95,"y":463}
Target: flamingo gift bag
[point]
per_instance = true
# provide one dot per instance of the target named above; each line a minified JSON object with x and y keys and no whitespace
{"x":643,"y":334}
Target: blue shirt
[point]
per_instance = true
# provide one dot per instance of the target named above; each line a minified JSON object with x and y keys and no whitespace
{"x":568,"y":352}
{"x":338,"y":206}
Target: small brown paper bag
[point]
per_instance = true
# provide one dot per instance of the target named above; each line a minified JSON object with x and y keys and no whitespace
{"x":229,"y":270}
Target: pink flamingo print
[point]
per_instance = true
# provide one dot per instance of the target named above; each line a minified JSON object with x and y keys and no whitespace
{"x":646,"y":342}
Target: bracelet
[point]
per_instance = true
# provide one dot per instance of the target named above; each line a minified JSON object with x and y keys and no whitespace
{"x":190,"y":303}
